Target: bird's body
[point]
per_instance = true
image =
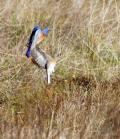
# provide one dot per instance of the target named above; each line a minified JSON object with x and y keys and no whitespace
{"x":43,"y":60}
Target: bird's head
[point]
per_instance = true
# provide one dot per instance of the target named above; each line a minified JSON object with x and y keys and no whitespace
{"x":43,"y":35}
{"x":45,"y":31}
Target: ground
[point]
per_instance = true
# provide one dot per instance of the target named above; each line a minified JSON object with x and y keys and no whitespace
{"x":83,"y":100}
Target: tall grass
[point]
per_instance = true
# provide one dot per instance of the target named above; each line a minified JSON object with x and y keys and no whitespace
{"x":83,"y":100}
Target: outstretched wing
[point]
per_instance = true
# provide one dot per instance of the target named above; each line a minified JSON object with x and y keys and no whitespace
{"x":31,"y":38}
{"x":36,"y":37}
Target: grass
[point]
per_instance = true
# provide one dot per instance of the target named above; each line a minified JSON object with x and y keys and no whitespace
{"x":83,"y":100}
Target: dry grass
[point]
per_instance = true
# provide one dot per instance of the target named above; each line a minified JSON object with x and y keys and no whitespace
{"x":83,"y":100}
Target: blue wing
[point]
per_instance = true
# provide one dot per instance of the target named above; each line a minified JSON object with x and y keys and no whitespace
{"x":28,"y":52}
{"x":31,"y":39}
{"x":32,"y":35}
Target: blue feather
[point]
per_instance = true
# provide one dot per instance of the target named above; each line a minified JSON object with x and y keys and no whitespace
{"x":32,"y":35}
{"x":45,"y":31}
{"x":28,"y":53}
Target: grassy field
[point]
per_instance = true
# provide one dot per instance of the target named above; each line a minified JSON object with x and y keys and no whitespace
{"x":83,"y":101}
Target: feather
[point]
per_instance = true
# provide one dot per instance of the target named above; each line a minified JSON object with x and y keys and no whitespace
{"x":33,"y":35}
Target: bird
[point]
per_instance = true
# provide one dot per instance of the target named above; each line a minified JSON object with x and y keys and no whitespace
{"x":40,"y":57}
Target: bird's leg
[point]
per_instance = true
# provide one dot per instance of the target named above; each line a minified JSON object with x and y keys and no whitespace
{"x":48,"y":76}
{"x":53,"y":70}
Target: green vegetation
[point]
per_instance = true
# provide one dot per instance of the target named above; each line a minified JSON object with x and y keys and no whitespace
{"x":83,"y":100}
